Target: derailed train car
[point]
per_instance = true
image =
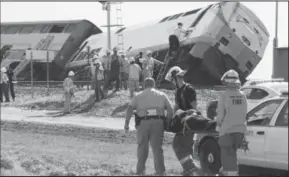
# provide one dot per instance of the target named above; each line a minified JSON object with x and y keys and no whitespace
{"x":60,"y":38}
{"x":225,"y":35}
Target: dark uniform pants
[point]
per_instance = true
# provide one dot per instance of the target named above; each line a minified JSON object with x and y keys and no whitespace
{"x":98,"y":90}
{"x":4,"y":90}
{"x":183,"y":148}
{"x":150,"y":131}
{"x":11,"y":88}
{"x":229,"y":143}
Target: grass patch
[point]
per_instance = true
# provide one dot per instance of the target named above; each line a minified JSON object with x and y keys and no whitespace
{"x":68,"y":150}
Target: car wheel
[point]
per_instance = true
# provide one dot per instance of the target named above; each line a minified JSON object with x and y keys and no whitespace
{"x":212,"y":109}
{"x":210,"y":159}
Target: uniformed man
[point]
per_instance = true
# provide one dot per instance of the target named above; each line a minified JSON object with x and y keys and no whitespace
{"x":231,"y":120}
{"x":4,"y":85}
{"x":185,"y":99}
{"x":114,"y":70}
{"x":68,"y":91}
{"x":150,"y":105}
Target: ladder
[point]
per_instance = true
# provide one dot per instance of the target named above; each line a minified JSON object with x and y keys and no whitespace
{"x":120,"y":43}
{"x":163,"y":69}
{"x":168,"y":57}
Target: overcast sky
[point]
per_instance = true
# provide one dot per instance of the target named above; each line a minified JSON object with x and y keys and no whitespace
{"x":140,"y":12}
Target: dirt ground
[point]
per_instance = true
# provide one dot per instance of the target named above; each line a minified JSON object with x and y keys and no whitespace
{"x":49,"y":149}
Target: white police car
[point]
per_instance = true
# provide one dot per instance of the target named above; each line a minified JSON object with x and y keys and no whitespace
{"x":267,"y":139}
{"x":256,"y":91}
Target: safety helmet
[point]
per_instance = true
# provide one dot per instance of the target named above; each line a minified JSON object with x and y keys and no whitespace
{"x":231,"y":77}
{"x":131,"y":59}
{"x":149,"y":52}
{"x":97,"y":61}
{"x":71,"y":73}
{"x":174,"y":71}
{"x":115,"y":48}
{"x":3,"y":70}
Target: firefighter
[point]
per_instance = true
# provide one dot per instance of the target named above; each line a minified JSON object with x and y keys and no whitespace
{"x":185,"y":99}
{"x":68,"y":91}
{"x":150,"y":105}
{"x":231,"y":121}
{"x":4,"y":85}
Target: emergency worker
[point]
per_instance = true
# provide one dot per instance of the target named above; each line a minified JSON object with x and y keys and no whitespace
{"x":11,"y":78}
{"x":124,"y":70}
{"x":99,"y":94}
{"x":150,"y":63}
{"x":68,"y":91}
{"x":231,"y":121}
{"x":106,"y":64}
{"x":4,"y":85}
{"x":180,"y":32}
{"x":185,"y":99}
{"x":133,"y":77}
{"x":150,"y":105}
{"x":113,"y":70}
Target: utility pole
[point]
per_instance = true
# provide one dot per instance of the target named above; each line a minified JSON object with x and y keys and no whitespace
{"x":275,"y":41}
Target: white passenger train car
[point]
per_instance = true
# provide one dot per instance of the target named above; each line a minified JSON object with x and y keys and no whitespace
{"x":225,"y":35}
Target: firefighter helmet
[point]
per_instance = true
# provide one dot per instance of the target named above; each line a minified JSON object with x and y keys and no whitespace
{"x":174,"y":71}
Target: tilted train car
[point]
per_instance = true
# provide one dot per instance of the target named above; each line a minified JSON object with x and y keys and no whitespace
{"x":61,"y":38}
{"x":225,"y":35}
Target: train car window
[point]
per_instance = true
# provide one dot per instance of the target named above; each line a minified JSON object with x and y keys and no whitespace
{"x":45,"y":29}
{"x":12,"y":29}
{"x":200,"y":16}
{"x":27,"y":29}
{"x":249,"y":65}
{"x":70,"y":28}
{"x":120,"y":30}
{"x":57,"y":29}
{"x":175,"y":16}
{"x":191,"y":12}
{"x":164,"y":19}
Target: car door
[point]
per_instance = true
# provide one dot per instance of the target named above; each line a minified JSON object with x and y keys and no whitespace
{"x":258,"y":120}
{"x":276,"y":142}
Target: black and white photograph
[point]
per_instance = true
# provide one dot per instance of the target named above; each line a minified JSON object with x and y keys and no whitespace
{"x":144,"y":88}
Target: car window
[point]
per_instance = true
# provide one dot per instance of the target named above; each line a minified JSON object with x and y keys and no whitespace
{"x":247,"y":92}
{"x":262,"y":114}
{"x":258,"y":94}
{"x":282,"y":119}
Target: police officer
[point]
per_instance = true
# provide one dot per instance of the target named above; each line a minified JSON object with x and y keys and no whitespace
{"x":68,"y":91}
{"x":185,"y":99}
{"x":231,"y":120}
{"x":150,"y":105}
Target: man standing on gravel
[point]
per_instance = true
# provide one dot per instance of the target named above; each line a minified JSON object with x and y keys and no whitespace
{"x":68,"y":91}
{"x":150,"y":105}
